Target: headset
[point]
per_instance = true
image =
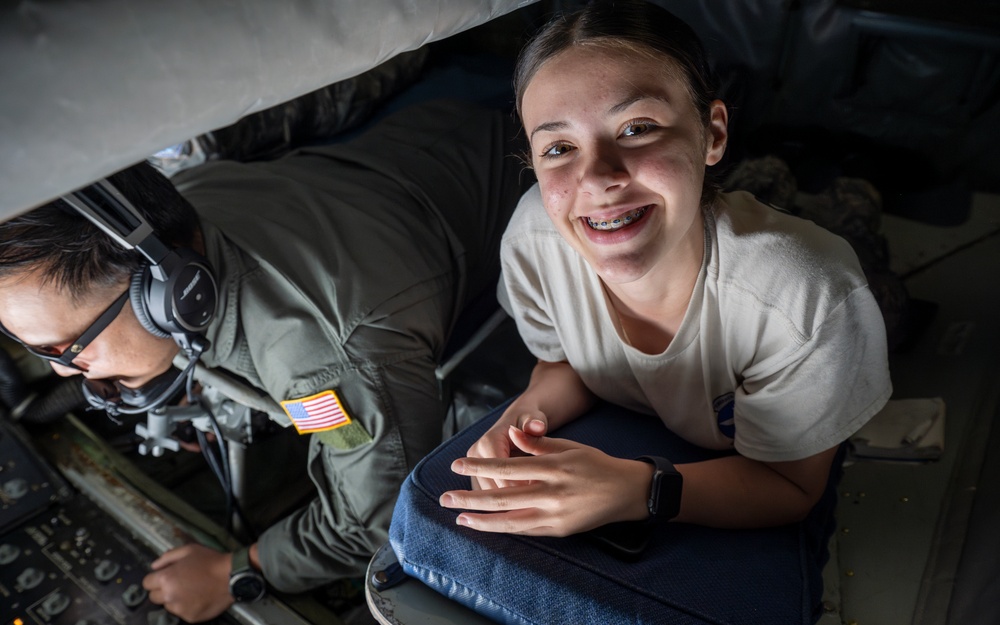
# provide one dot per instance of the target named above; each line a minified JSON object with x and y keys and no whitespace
{"x":174,"y":294}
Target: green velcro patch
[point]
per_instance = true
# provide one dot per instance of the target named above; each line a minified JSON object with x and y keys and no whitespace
{"x":345,"y":437}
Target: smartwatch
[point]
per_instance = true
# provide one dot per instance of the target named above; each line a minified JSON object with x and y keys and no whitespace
{"x":246,"y":584}
{"x":664,"y":502}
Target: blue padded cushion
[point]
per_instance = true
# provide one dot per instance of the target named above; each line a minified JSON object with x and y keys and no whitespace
{"x":687,"y":575}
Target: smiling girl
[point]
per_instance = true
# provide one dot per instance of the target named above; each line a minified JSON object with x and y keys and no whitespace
{"x":633,"y":281}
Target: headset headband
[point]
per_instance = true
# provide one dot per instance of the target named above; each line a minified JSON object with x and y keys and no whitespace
{"x":111,"y":211}
{"x":175,"y":293}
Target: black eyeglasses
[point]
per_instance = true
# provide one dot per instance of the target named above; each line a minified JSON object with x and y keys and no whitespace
{"x":65,"y":357}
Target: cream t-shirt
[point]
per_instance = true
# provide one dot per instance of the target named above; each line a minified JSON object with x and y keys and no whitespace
{"x":781,"y":354}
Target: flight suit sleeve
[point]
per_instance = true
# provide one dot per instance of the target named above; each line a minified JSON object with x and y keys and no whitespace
{"x":358,"y":481}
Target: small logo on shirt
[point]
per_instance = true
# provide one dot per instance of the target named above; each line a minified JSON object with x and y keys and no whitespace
{"x":723,"y":406}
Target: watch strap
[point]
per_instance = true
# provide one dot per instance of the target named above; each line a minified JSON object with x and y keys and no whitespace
{"x":246,"y":584}
{"x":241,"y":560}
{"x":664,"y":500}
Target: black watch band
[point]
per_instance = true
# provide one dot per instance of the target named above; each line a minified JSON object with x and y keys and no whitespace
{"x":664,"y":502}
{"x":246,"y":584}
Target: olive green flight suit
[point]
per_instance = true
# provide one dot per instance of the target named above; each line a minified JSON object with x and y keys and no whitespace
{"x":344,"y":267}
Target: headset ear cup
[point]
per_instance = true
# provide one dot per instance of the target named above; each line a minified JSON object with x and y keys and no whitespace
{"x":189,"y":295}
{"x":137,"y":295}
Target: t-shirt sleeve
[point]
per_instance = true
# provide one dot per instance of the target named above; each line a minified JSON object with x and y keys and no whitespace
{"x":812,"y":397}
{"x":526,"y":251}
{"x":523,"y":298}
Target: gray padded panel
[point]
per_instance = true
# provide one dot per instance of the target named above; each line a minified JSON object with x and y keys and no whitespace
{"x":90,"y":87}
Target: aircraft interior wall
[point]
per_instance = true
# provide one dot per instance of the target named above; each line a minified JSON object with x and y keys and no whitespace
{"x":82,"y":81}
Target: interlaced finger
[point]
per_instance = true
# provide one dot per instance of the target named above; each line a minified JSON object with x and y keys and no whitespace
{"x":527,"y":522}
{"x":519,"y":469}
{"x":532,"y":495}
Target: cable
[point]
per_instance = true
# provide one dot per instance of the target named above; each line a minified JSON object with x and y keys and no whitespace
{"x":213,"y":465}
{"x":221,"y":467}
{"x":114,"y":405}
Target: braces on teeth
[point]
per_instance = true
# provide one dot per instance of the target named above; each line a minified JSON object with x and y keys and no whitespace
{"x":614,"y":224}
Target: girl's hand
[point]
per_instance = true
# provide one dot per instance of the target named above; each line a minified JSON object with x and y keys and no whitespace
{"x":560,"y":488}
{"x":496,"y":442}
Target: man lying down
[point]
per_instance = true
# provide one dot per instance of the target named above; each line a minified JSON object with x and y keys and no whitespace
{"x":337,"y":273}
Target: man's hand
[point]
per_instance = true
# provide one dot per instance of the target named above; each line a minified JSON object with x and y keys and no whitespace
{"x":562,"y":488}
{"x":191,"y":582}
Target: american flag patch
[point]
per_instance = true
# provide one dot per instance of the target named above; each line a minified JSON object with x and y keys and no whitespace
{"x":316,"y":413}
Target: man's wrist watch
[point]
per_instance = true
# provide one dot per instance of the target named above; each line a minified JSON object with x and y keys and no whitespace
{"x":664,"y":502}
{"x":246,"y":584}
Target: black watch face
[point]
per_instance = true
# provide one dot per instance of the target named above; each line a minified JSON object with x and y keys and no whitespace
{"x":247,"y":587}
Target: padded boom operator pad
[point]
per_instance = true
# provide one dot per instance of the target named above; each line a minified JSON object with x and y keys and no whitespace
{"x":687,"y":574}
